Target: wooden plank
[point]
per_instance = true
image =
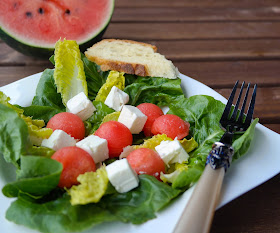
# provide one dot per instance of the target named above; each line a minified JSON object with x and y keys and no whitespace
{"x":192,"y":50}
{"x":257,"y":211}
{"x":13,"y":73}
{"x":267,"y":106}
{"x":180,"y":31}
{"x":195,"y":14}
{"x":205,"y":3}
{"x":197,"y":50}
{"x":274,"y":127}
{"x":218,"y":74}
{"x":9,"y":56}
{"x":214,"y":74}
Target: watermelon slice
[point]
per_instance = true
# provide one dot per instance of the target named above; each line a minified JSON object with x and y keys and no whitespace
{"x":33,"y":26}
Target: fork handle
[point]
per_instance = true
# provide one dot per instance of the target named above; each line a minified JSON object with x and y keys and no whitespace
{"x":198,"y":214}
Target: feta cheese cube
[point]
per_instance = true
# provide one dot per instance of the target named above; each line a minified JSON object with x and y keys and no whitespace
{"x":116,"y":99}
{"x":172,"y":152}
{"x":58,"y":140}
{"x":132,"y":118}
{"x":122,"y":176}
{"x":97,"y":147}
{"x":81,"y":106}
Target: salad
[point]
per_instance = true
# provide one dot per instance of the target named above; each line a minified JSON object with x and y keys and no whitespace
{"x":42,"y":205}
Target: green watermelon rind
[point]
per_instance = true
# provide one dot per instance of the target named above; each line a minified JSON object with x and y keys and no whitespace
{"x":45,"y":52}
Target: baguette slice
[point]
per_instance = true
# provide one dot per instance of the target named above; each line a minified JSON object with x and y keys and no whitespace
{"x":131,"y":57}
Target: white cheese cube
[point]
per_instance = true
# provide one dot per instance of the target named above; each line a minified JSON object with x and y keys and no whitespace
{"x":58,"y":140}
{"x":116,"y":99}
{"x":132,"y":118}
{"x":81,"y":106}
{"x":172,"y":152}
{"x":122,"y":176}
{"x":97,"y":147}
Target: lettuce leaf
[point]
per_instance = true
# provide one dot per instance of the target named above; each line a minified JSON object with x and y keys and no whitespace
{"x":14,"y":137}
{"x":159,"y":91}
{"x":154,"y":141}
{"x":114,"y":78}
{"x":57,"y":215}
{"x":140,"y":204}
{"x":95,"y":77}
{"x":36,"y":177}
{"x":93,"y":123}
{"x":136,"y":206}
{"x":91,"y":189}
{"x":204,"y":113}
{"x":69,"y":74}
{"x":35,"y":127}
{"x":46,"y":102}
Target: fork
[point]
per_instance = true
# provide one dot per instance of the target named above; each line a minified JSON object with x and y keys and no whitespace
{"x":198,"y":214}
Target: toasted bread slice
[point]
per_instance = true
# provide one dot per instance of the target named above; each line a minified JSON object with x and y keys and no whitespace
{"x":131,"y":57}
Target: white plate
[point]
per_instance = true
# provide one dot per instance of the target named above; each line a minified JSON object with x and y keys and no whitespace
{"x":259,"y":164}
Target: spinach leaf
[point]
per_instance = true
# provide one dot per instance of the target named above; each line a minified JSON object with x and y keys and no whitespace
{"x":14,"y":137}
{"x":94,"y":75}
{"x":242,"y":144}
{"x":37,"y":176}
{"x":93,"y":123}
{"x":46,"y":92}
{"x":47,"y":102}
{"x":41,"y":112}
{"x":159,"y":91}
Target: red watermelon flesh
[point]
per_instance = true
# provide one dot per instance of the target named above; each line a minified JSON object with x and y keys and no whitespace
{"x":43,"y":22}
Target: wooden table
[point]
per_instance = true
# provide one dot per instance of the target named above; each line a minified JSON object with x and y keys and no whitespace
{"x":216,"y":42}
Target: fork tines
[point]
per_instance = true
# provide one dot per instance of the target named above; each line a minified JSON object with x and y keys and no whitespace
{"x":231,"y":116}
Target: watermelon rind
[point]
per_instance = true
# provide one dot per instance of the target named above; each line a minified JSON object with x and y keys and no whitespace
{"x":44,"y":51}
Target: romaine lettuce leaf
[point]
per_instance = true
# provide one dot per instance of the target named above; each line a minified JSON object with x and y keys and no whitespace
{"x":91,"y":189}
{"x":35,"y":127}
{"x":69,"y":74}
{"x":114,"y":78}
{"x":154,"y":141}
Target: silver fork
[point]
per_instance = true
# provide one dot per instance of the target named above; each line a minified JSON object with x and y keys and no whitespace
{"x":198,"y":214}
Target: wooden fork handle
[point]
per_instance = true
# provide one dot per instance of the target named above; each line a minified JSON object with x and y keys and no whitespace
{"x":198,"y":214}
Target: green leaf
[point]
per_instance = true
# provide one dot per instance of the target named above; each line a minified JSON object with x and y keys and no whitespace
{"x":96,"y":119}
{"x":14,"y":137}
{"x":91,"y":189}
{"x":44,"y":113}
{"x":40,"y":151}
{"x":36,"y":177}
{"x":69,"y":74}
{"x":57,"y":215}
{"x":242,"y":144}
{"x":204,"y":113}
{"x":159,"y":91}
{"x":114,"y":78}
{"x":46,"y":92}
{"x":140,"y":204}
{"x":95,"y":77}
